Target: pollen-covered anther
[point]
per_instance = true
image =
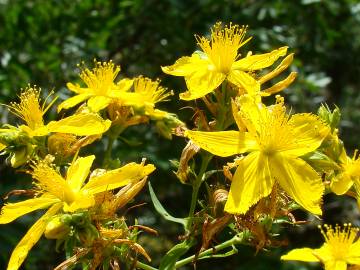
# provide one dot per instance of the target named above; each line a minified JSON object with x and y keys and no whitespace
{"x":339,"y":239}
{"x":222,"y":48}
{"x":101,"y":78}
{"x":29,"y":108}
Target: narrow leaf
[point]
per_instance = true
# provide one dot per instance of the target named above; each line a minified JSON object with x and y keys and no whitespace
{"x":161,"y":210}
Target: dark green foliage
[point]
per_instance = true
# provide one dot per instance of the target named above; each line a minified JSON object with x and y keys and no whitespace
{"x":42,"y":41}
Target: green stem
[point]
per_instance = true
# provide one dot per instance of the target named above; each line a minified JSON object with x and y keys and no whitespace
{"x":212,"y":251}
{"x":144,"y":266}
{"x":196,"y":186}
{"x":107,"y":155}
{"x":113,"y":135}
{"x":223,"y":107}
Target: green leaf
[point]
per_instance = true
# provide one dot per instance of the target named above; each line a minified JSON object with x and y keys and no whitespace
{"x":161,"y":210}
{"x":171,"y":257}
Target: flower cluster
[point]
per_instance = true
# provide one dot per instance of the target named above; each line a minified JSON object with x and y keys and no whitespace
{"x":258,"y":161}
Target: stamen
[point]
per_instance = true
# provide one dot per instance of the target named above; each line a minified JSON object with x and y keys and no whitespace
{"x":150,"y":90}
{"x":29,"y":108}
{"x":100,"y":79}
{"x":49,"y":180}
{"x":339,"y":239}
{"x":222,"y":48}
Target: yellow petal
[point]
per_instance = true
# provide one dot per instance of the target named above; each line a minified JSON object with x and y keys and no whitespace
{"x":83,"y":201}
{"x":223,"y":143}
{"x":78,"y":171}
{"x":335,"y":265}
{"x":252,"y":113}
{"x":341,"y":184}
{"x":51,"y":181}
{"x":110,"y":180}
{"x":76,"y":88}
{"x":251,"y":182}
{"x":324,"y":253}
{"x":300,"y":254}
{"x":31,"y":237}
{"x":353,"y":256}
{"x":244,"y":80}
{"x":185,"y":66}
{"x":125,"y":84}
{"x":73,"y":101}
{"x":276,"y":88}
{"x":12,"y":211}
{"x":80,"y":124}
{"x":237,"y":117}
{"x":309,"y":132}
{"x":201,"y":83}
{"x":259,"y":61}
{"x":2,"y":146}
{"x":280,"y":68}
{"x":97,"y":103}
{"x":299,"y":180}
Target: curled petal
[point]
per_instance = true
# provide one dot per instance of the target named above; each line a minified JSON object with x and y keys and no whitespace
{"x":280,"y":68}
{"x":244,"y":80}
{"x":259,"y":61}
{"x":113,"y":179}
{"x":276,"y":88}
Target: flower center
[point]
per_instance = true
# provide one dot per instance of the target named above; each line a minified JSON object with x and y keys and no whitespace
{"x":339,"y":239}
{"x":100,"y":80}
{"x":222,"y":49}
{"x":29,"y":108}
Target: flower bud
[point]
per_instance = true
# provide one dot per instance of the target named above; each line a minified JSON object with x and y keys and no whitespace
{"x":220,"y":197}
{"x":331,"y":118}
{"x":56,"y":228}
{"x":21,"y":155}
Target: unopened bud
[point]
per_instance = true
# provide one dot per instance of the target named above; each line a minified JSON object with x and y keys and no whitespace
{"x":56,"y":229}
{"x":332,"y":118}
{"x":220,"y":197}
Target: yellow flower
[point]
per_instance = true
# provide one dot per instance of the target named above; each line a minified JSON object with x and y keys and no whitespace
{"x":145,"y":95}
{"x":30,"y":110}
{"x":219,"y":60}
{"x":69,"y":194}
{"x":348,"y":176}
{"x":100,"y":89}
{"x":339,"y":249}
{"x":275,"y":142}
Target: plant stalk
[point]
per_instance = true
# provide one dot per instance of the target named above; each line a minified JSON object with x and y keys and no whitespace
{"x":196,"y":186}
{"x":212,"y":251}
{"x":144,"y":266}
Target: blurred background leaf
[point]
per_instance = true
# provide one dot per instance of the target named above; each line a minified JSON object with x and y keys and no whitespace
{"x":42,"y":41}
